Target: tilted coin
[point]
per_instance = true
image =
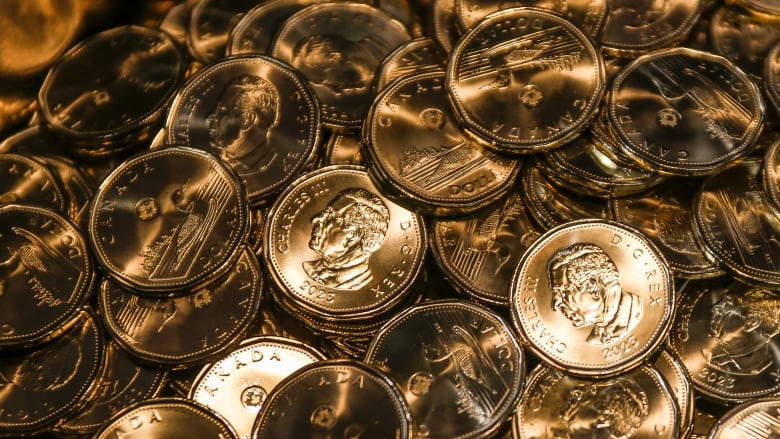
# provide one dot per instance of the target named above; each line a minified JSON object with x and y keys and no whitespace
{"x":210,"y":22}
{"x":676,"y":375}
{"x":26,"y":180}
{"x":343,"y":149}
{"x":772,"y":76}
{"x":111,"y":85}
{"x":123,"y":382}
{"x":337,"y":47}
{"x":77,"y":186}
{"x":637,"y":404}
{"x":685,"y":112}
{"x":758,"y":418}
{"x":665,"y":215}
{"x":743,"y":38}
{"x":525,"y":80}
{"x":46,"y":275}
{"x":735,"y":225}
{"x":335,"y":398}
{"x":770,"y":175}
{"x":257,"y":114}
{"x":338,"y":248}
{"x":588,"y":15}
{"x":175,"y":23}
{"x":458,"y":365}
{"x":593,"y":297}
{"x":254,"y":32}
{"x":166,"y":418}
{"x":478,"y":252}
{"x":168,"y":220}
{"x":414,"y":56}
{"x":42,"y":385}
{"x":724,"y":333}
{"x":237,"y":384}
{"x":444,"y":24}
{"x":195,"y":327}
{"x":413,"y":140}
{"x":635,"y":28}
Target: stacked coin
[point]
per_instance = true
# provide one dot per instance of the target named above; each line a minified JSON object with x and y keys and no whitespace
{"x":220,"y":224}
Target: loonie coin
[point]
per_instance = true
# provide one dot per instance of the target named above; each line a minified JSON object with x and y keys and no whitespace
{"x":458,"y":365}
{"x":742,"y":38}
{"x":772,"y":76}
{"x":723,"y":333}
{"x":256,"y":113}
{"x":209,"y":23}
{"x":195,"y":327}
{"x":26,"y":180}
{"x":168,"y":220}
{"x":166,"y":418}
{"x":414,"y":142}
{"x":676,"y":375}
{"x":757,"y":418}
{"x":525,"y":80}
{"x":339,"y":249}
{"x":334,"y":398}
{"x":236,"y":385}
{"x":337,"y":47}
{"x":412,"y":57}
{"x":443,"y":24}
{"x":38,"y":387}
{"x":46,"y":275}
{"x":343,"y":149}
{"x":592,"y":297}
{"x":254,"y":32}
{"x":637,"y":404}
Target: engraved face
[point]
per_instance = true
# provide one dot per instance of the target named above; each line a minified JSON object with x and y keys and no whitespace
{"x":742,"y":327}
{"x":240,"y":126}
{"x":609,"y":410}
{"x":340,"y":65}
{"x":585,"y":287}
{"x":351,"y":227}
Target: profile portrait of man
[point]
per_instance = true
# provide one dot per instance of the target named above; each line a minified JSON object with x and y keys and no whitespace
{"x":613,"y":409}
{"x":337,"y":63}
{"x":742,"y":327}
{"x":344,"y":235}
{"x":241,"y":124}
{"x":585,"y":288}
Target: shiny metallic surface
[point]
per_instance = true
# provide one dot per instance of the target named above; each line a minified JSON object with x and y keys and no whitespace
{"x":188,"y":214}
{"x":637,"y":404}
{"x":337,"y":47}
{"x":28,"y":181}
{"x":340,"y":398}
{"x":772,"y":76}
{"x":751,"y":419}
{"x":458,"y":365}
{"x":676,"y":376}
{"x":46,"y":275}
{"x":525,"y":80}
{"x":166,"y":418}
{"x":414,"y":56}
{"x":685,"y":112}
{"x":266,"y":136}
{"x":742,"y":38}
{"x":210,"y":22}
{"x":254,"y":32}
{"x":185,"y":323}
{"x":237,"y":384}
{"x":593,"y":297}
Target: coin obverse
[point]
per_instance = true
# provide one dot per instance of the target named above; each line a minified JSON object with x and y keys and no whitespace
{"x":593,"y":297}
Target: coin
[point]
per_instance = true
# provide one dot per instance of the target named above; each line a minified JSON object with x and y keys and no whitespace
{"x":254,"y":32}
{"x":593,"y":297}
{"x":210,"y":22}
{"x":166,"y":418}
{"x":633,"y":28}
{"x":443,"y":26}
{"x":458,"y":365}
{"x":723,"y":334}
{"x":46,"y":275}
{"x":525,"y":80}
{"x":414,"y":142}
{"x":339,"y":249}
{"x":337,"y":47}
{"x":742,"y":38}
{"x":42,"y":385}
{"x":168,"y":220}
{"x":26,"y":180}
{"x":766,"y":9}
{"x":257,"y":114}
{"x":195,"y":327}
{"x":479,"y":252}
{"x":772,"y":76}
{"x":676,"y":376}
{"x":236,"y":385}
{"x":664,"y":215}
{"x":111,"y":86}
{"x":336,"y":398}
{"x":414,"y":56}
{"x":637,"y":404}
{"x":122,"y":383}
{"x":735,"y":225}
{"x":770,"y":176}
{"x":752,"y":419}
{"x":685,"y":112}
{"x":343,"y":149}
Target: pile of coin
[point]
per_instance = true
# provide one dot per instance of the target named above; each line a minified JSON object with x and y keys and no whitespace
{"x":445,"y":219}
